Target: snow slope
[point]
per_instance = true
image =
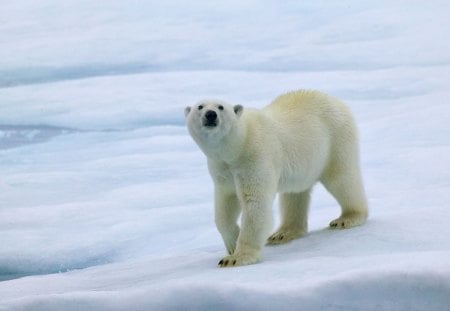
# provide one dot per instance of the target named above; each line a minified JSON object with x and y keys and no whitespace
{"x":106,"y":203}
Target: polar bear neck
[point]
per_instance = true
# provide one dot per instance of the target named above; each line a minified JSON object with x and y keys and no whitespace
{"x":228,"y":147}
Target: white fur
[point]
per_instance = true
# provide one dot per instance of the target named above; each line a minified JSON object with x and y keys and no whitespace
{"x":300,"y":138}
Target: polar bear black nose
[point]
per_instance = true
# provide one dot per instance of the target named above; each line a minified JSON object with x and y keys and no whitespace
{"x":211,"y":116}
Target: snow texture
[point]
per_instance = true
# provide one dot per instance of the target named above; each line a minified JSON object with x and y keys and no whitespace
{"x":106,"y":202}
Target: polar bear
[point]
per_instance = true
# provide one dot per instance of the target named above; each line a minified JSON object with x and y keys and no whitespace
{"x":301,"y":138}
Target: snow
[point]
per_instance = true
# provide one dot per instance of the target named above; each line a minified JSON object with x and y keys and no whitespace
{"x":106,"y":202}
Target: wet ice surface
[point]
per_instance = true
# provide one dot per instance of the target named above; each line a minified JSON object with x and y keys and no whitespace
{"x":106,"y":201}
{"x":16,"y":135}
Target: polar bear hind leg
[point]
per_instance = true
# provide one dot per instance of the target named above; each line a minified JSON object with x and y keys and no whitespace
{"x":347,"y":188}
{"x":294,"y":217}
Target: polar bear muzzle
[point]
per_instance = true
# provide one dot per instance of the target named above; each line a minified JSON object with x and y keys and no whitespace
{"x":210,"y":119}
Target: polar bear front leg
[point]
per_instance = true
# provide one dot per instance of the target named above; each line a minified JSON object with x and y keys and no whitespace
{"x":294,"y":217}
{"x":256,"y":225}
{"x":227,"y":211}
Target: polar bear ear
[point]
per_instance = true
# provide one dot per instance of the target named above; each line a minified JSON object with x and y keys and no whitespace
{"x":187,"y":110}
{"x":238,"y":109}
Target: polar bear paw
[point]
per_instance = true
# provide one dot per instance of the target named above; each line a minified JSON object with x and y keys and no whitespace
{"x":348,"y":221}
{"x":284,"y":236}
{"x":238,"y":260}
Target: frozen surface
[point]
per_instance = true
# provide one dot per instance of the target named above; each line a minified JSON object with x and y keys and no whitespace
{"x":106,"y":202}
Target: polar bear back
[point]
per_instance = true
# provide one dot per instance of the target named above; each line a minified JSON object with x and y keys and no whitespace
{"x":304,"y":106}
{"x":312,"y":131}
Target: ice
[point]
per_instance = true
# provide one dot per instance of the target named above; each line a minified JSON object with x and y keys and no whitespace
{"x":106,"y":202}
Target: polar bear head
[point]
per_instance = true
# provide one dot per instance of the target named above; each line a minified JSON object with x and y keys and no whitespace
{"x":209,"y":122}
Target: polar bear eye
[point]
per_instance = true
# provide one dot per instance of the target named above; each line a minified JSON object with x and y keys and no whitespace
{"x":220,"y":107}
{"x":200,"y":107}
